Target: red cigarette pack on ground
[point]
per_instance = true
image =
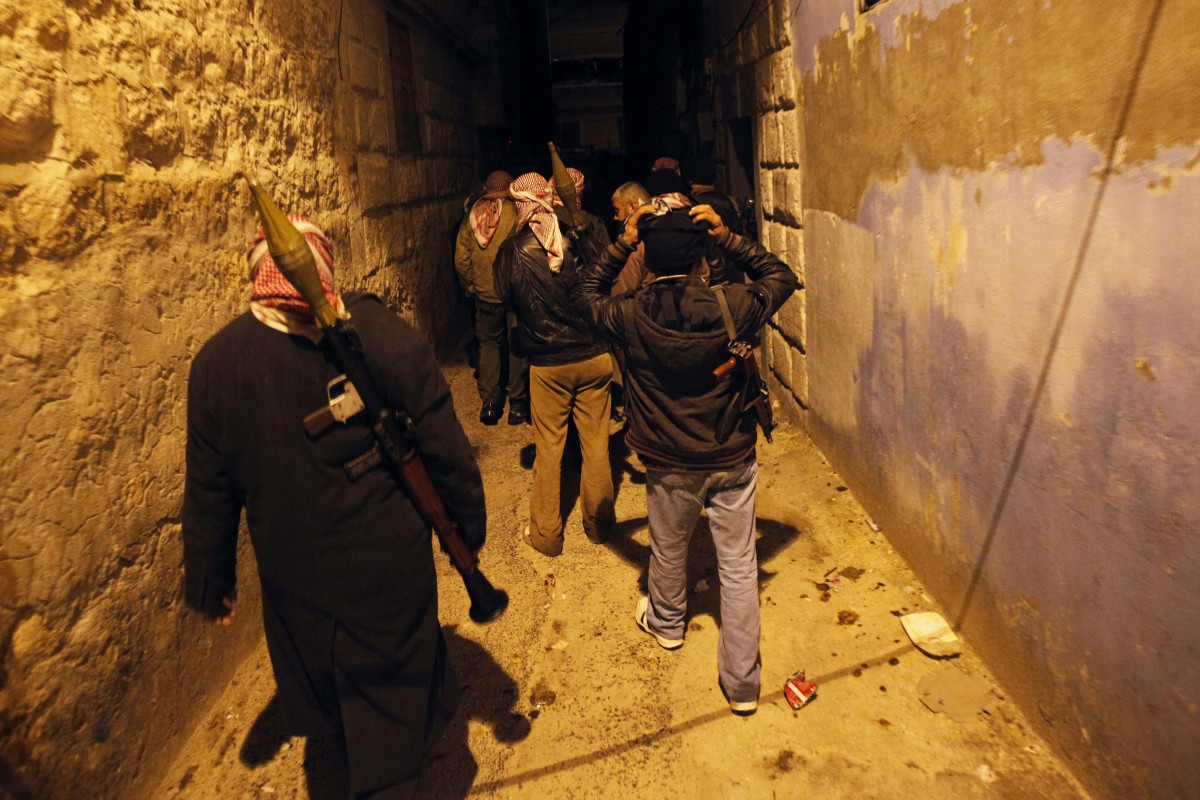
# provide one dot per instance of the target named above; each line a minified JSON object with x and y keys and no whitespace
{"x":797,"y":691}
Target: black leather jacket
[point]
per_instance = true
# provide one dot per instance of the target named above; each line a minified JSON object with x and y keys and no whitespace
{"x":549,"y":332}
{"x":674,"y":336}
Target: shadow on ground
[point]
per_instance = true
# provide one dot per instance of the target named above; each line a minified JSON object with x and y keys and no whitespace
{"x":490,"y":695}
{"x":651,"y":739}
{"x":621,"y":464}
{"x":773,"y":537}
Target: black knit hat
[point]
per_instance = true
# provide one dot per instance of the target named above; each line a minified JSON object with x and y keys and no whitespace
{"x":674,"y":242}
{"x":700,"y":170}
{"x":664,"y":181}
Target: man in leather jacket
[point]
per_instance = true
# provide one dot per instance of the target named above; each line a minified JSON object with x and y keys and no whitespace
{"x":570,"y":369}
{"x":674,"y":335}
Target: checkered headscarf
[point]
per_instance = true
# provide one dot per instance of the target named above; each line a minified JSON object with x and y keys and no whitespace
{"x":534,"y":197}
{"x":666,"y":162}
{"x":485,"y":214}
{"x":273,"y":299}
{"x":576,"y":178}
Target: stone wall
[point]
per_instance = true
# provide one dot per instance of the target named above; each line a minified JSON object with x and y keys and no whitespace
{"x":124,"y":127}
{"x":756,"y":77}
{"x":1043,"y":484}
{"x":409,"y":205}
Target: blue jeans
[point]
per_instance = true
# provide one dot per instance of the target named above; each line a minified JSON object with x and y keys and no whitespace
{"x":674,"y":501}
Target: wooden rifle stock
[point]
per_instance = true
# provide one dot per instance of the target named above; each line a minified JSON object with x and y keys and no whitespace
{"x":741,"y":353}
{"x":393,"y":434}
{"x":725,"y":367}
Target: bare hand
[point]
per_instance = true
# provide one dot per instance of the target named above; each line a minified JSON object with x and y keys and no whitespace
{"x":709,"y":215}
{"x":225,"y":617}
{"x":630,"y":235}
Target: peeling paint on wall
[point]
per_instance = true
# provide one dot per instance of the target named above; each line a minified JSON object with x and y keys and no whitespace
{"x":954,"y":156}
{"x":973,"y":89}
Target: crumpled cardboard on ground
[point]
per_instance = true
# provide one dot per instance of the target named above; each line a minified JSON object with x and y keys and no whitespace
{"x":957,"y":694}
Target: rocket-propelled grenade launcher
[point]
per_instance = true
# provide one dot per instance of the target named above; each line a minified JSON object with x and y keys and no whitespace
{"x":587,"y":249}
{"x":565,"y":187}
{"x":391,"y":428}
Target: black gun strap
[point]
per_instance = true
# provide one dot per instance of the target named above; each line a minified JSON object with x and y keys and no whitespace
{"x":749,"y":364}
{"x":723,"y":302}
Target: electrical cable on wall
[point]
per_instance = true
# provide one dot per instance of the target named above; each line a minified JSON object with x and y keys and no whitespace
{"x":1060,"y":321}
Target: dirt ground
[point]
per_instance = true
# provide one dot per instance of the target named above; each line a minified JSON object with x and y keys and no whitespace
{"x":566,"y":698}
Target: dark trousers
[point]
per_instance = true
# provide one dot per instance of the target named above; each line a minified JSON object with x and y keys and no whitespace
{"x":491,"y":328}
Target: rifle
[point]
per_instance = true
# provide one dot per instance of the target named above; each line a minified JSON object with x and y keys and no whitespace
{"x":755,"y":394}
{"x":392,"y":429}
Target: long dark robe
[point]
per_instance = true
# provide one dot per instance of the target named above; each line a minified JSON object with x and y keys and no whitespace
{"x":348,"y":582}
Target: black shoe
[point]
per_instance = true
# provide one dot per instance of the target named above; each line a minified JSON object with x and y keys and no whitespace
{"x":490,"y":415}
{"x":518,"y":412}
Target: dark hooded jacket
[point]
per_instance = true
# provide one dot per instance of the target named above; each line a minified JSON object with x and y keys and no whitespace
{"x":674,"y":336}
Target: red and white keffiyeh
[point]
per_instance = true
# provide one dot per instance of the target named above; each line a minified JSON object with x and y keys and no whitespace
{"x":273,"y":300}
{"x":485,"y":214}
{"x":579,"y":181}
{"x":666,"y":162}
{"x":534,"y":197}
{"x":669,"y":202}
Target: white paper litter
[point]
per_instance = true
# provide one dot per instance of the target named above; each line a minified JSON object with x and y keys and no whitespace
{"x":931,"y":633}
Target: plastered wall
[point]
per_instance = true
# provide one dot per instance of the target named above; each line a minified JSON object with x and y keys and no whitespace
{"x":954,"y":159}
{"x":124,"y":125}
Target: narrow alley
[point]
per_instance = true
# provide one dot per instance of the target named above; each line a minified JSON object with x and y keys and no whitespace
{"x":566,"y":698}
{"x":975,"y":319}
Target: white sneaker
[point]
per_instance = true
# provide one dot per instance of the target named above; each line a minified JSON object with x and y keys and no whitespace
{"x":639,"y":614}
{"x":743,"y":708}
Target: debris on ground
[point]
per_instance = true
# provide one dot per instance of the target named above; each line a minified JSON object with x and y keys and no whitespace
{"x":847,"y":617}
{"x":957,"y":694}
{"x":931,"y":633}
{"x":542,"y":696}
{"x":797,"y":691}
{"x":852,"y":573}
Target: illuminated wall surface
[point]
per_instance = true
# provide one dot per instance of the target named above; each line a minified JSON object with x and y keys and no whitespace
{"x":954,"y":183}
{"x":123,"y":129}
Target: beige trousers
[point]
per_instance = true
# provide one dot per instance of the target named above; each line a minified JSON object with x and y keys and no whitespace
{"x":578,"y":391}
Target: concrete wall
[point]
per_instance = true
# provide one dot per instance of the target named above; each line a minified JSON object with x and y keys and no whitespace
{"x":953,"y":154}
{"x":123,"y":127}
